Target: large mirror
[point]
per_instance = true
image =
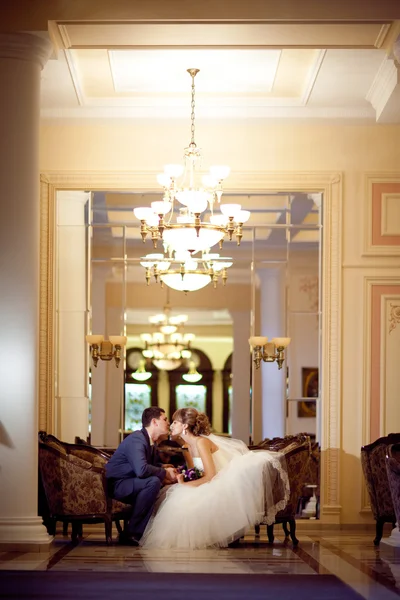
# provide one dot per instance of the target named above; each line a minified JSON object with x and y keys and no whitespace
{"x":272,"y":289}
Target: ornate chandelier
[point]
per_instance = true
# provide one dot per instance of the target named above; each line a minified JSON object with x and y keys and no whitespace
{"x":190,"y":233}
{"x":185,"y":273}
{"x":168,"y":345}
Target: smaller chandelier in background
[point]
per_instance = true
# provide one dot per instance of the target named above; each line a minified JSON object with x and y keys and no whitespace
{"x":192,"y":376}
{"x":268,"y":351}
{"x":168,"y":344}
{"x":106,"y":349}
{"x":189,"y":232}
{"x":141,"y":374}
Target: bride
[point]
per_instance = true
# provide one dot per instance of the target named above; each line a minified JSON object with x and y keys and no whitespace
{"x":238,"y":489}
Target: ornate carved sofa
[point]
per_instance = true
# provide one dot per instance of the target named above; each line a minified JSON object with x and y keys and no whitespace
{"x":74,"y":487}
{"x":393,"y":473}
{"x":373,"y":462}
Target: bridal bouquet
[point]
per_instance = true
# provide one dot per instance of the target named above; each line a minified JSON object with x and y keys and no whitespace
{"x":190,"y":474}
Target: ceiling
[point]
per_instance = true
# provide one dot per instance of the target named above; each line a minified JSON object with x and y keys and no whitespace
{"x":304,"y":71}
{"x":247,"y":70}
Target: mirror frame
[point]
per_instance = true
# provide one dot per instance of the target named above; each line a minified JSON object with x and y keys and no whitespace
{"x":330,"y":184}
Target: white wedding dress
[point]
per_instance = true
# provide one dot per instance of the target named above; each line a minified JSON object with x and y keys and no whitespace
{"x":249,"y":487}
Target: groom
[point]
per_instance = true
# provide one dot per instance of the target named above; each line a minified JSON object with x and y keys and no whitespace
{"x":133,"y":473}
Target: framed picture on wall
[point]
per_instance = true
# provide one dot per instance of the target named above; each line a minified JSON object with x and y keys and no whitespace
{"x":309,"y":386}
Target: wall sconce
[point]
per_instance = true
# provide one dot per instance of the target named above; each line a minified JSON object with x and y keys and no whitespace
{"x":268,"y":351}
{"x":106,"y":349}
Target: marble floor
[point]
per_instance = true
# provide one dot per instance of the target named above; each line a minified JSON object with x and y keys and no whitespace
{"x":350,"y":555}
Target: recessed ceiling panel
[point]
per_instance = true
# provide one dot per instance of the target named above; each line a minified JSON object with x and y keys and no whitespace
{"x":222,"y":71}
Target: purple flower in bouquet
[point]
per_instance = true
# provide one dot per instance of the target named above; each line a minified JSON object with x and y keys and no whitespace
{"x":190,"y":474}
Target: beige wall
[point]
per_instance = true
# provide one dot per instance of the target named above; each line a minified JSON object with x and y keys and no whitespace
{"x":251,"y":145}
{"x":247,"y":146}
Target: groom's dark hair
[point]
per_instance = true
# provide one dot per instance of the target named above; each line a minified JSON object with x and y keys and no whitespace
{"x":153,"y":412}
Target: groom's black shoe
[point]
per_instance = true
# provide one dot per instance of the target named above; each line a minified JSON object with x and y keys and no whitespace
{"x":234,"y":543}
{"x":127,"y":539}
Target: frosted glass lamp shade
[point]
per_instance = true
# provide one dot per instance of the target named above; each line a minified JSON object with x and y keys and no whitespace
{"x":230,"y":210}
{"x":191,"y":282}
{"x":242,"y":216}
{"x":257,"y":340}
{"x":168,"y":329}
{"x":139,"y":376}
{"x":94,"y":339}
{"x":117,"y":340}
{"x":281,"y":342}
{"x":192,"y":377}
{"x":187,"y":239}
{"x":143,"y":213}
{"x":165,"y":364}
{"x":161,"y":208}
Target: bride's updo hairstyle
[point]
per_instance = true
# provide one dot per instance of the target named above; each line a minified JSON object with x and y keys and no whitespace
{"x":197,"y":422}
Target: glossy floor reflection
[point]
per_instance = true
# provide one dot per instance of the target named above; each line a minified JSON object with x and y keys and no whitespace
{"x":351,"y":556}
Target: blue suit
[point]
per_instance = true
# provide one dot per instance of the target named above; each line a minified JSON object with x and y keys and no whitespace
{"x":135,"y":478}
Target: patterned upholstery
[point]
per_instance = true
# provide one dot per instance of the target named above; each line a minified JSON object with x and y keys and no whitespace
{"x":74,"y":485}
{"x":373,"y":462}
{"x":297,"y":452}
{"x":393,"y":473}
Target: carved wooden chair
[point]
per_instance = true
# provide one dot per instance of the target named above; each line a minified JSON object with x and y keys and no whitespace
{"x":72,"y":478}
{"x":373,"y":462}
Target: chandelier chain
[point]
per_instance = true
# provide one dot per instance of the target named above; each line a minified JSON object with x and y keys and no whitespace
{"x":192,"y":104}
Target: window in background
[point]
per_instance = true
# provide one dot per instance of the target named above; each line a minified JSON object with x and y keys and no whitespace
{"x":137,"y":398}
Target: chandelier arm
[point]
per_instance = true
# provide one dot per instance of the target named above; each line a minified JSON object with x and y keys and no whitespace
{"x":203,"y":225}
{"x":171,"y":212}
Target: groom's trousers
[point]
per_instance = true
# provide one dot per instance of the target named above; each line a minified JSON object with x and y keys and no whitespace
{"x":142,"y":494}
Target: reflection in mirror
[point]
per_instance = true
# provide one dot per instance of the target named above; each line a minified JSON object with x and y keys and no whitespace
{"x":272,"y":289}
{"x":276,"y":271}
{"x":287,"y":257}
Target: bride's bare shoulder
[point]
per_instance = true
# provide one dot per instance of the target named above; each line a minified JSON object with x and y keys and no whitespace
{"x":206,"y":443}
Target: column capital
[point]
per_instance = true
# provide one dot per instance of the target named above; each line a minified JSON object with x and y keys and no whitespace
{"x":25,"y":46}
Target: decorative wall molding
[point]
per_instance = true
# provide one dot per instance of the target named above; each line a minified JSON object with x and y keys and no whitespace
{"x":394,"y":317}
{"x":330,"y":184}
{"x":387,"y":284}
{"x":390,"y":225}
{"x":309,"y":285}
{"x":376,"y":244}
{"x":46,"y":309}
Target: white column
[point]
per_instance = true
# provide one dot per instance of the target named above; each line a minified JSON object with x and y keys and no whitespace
{"x":114,"y":380}
{"x":72,"y":367}
{"x":22,"y":56}
{"x":99,"y":387}
{"x":241,"y":376}
{"x":218,"y":401}
{"x":273,"y":308}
